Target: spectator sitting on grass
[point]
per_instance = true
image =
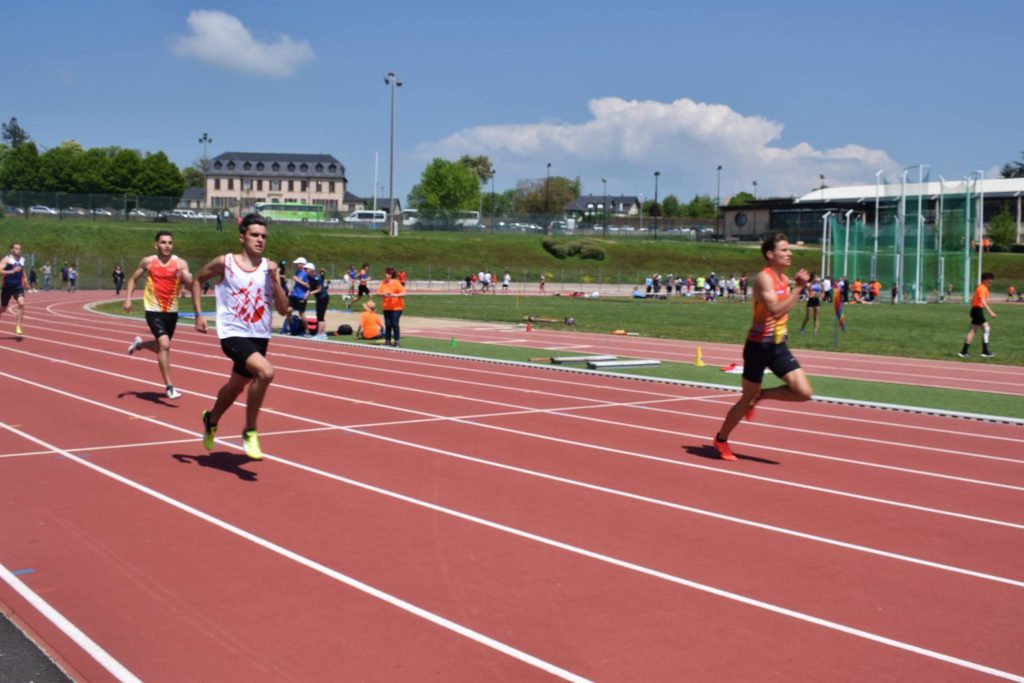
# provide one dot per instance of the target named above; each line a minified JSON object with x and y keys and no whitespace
{"x":370,"y":324}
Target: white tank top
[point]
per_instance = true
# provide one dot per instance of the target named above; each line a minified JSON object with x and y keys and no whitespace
{"x":244,"y":301}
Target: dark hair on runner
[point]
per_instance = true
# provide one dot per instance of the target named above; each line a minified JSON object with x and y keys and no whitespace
{"x":770,"y":241}
{"x":390,"y":271}
{"x":988,"y":276}
{"x":251,"y":219}
{"x":162,"y":233}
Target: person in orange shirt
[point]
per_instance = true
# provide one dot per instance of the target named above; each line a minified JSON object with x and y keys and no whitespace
{"x":393,"y":302}
{"x":978,"y":307}
{"x":766,"y":341}
{"x":876,"y":290}
{"x":165,"y":274}
{"x":369,"y":323}
{"x":856,"y":290}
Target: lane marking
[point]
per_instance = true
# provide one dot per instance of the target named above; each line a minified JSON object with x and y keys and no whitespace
{"x":101,"y":656}
{"x":352,"y":582}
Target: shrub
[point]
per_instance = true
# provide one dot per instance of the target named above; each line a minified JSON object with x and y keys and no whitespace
{"x":555,"y":248}
{"x":592,"y":252}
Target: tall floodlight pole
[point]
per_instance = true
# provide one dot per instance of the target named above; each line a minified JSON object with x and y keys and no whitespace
{"x":846,"y":247}
{"x":493,"y":209}
{"x":755,"y":188}
{"x":393,"y":82}
{"x":824,"y":241}
{"x":901,"y":229}
{"x":981,"y":218}
{"x":206,"y":140}
{"x":547,"y":189}
{"x":967,"y":236}
{"x":718,"y":204}
{"x":656,"y":208}
{"x":919,"y":264}
{"x":874,"y":251}
{"x":938,"y":239}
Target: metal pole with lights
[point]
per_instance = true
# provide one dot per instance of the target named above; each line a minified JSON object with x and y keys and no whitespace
{"x":718,"y":203}
{"x":393,"y":82}
{"x":656,"y":210}
{"x":604,"y":182}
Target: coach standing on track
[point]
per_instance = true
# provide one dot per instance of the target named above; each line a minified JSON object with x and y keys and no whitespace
{"x":165,"y":275}
{"x":393,"y":302}
{"x":249,"y":285}
{"x":13,"y":268}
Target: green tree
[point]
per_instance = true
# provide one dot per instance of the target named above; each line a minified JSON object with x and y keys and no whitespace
{"x":546,"y":196}
{"x":1014,"y":169}
{"x":92,"y":170}
{"x":194,"y":177}
{"x":159,"y":177}
{"x":14,"y":133}
{"x":1002,"y":229}
{"x":671,"y":207}
{"x":740,"y":199}
{"x":20,"y":168}
{"x":480,"y":165}
{"x":702,"y":206}
{"x":122,"y":172}
{"x":446,"y":186}
{"x":59,"y":168}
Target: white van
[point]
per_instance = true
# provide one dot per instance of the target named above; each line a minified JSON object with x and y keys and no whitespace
{"x":367,"y":216}
{"x":184,"y":213}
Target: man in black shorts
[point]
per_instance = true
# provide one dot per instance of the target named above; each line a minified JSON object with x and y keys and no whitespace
{"x":249,"y":286}
{"x":12,"y":267}
{"x":766,"y":341}
{"x":165,"y":275}
{"x":979,"y":304}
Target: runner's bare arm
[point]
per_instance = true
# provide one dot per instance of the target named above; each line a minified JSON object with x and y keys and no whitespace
{"x":185,"y":273}
{"x":211,"y":270}
{"x":280,"y":298}
{"x":130,"y":284}
{"x":765,"y":291}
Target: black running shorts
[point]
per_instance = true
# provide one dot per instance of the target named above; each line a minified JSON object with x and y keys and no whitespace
{"x":760,"y":355}
{"x":977,"y":315}
{"x":238,"y":349}
{"x":8,"y":293}
{"x":162,"y":324}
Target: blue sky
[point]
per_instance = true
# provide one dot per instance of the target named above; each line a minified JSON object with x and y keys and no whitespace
{"x":775,"y":92}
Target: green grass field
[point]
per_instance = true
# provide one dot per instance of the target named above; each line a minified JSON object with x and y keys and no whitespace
{"x":98,"y":245}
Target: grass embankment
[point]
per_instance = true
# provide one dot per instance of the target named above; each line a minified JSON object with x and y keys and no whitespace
{"x":98,"y":245}
{"x":927,"y":331}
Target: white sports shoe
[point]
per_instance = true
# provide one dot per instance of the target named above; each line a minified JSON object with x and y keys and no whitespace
{"x":173,"y":393}
{"x":135,"y":345}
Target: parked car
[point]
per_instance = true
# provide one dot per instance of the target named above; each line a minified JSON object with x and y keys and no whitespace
{"x":206,"y":216}
{"x":74,"y":211}
{"x":102,"y":212}
{"x":183,"y":213}
{"x":14,"y":211}
{"x":40,"y":210}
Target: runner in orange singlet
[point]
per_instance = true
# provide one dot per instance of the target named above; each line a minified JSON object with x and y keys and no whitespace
{"x":766,"y":341}
{"x":165,"y":274}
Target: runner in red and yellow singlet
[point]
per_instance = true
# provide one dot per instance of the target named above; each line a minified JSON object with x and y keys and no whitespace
{"x":165,"y":275}
{"x":766,"y":341}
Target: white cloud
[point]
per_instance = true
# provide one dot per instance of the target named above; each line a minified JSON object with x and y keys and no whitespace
{"x":684,"y":139}
{"x":222,"y":40}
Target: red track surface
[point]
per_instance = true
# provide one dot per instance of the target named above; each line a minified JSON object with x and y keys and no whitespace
{"x":423,"y":518}
{"x":953,"y":374}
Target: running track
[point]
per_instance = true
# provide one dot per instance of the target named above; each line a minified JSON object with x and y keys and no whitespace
{"x":953,"y":374}
{"x":422,"y":518}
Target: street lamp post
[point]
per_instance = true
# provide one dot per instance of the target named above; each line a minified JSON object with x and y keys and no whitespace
{"x":718,"y":203}
{"x":493,"y":209}
{"x":656,"y":209}
{"x":393,"y":82}
{"x":822,"y":176}
{"x":605,"y":183}
{"x":205,"y":140}
{"x":547,"y":183}
{"x":755,"y":189}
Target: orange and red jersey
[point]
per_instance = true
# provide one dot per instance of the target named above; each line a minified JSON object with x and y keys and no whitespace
{"x":767,"y":327}
{"x":163,"y":283}
{"x":392,"y":303}
{"x":370,"y":323}
{"x":980,"y":296}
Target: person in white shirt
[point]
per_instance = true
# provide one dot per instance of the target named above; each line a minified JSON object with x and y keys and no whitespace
{"x":249,"y":286}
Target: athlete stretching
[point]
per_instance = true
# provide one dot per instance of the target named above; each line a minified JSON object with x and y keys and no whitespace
{"x":165,"y":274}
{"x":249,"y":285}
{"x":12,"y":267}
{"x":766,"y":341}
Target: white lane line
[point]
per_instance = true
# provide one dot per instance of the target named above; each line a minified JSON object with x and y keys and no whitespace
{"x":102,"y":657}
{"x":485,"y":640}
{"x":572,"y":482}
{"x":344,"y":351}
{"x":535,"y":435}
{"x":352,"y":582}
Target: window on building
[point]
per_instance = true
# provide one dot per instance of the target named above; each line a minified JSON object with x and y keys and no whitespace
{"x":275,"y":185}
{"x":330,"y":187}
{"x":217,"y":165}
{"x":231,"y":165}
{"x":304,"y":168}
{"x":275,"y":167}
{"x":247,"y":166}
{"x":332,"y":168}
{"x":246,"y":184}
{"x":259,"y":185}
{"x":259,"y":166}
{"x":319,"y":168}
{"x":291,"y":168}
{"x":216,"y":183}
{"x":305,"y":186}
{"x":291,"y":186}
{"x":231,"y":183}
{"x":319,"y":186}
